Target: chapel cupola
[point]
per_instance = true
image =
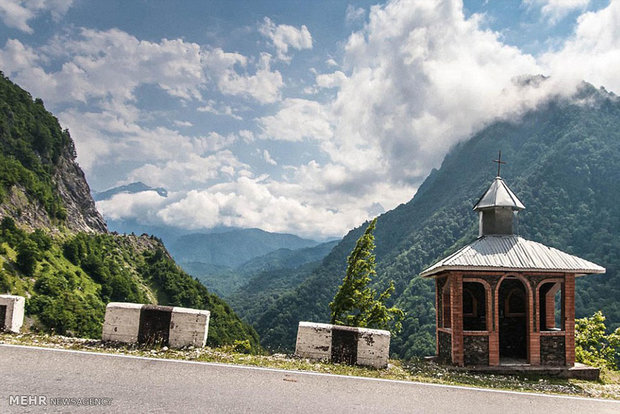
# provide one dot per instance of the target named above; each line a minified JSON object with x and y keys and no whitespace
{"x":498,"y":207}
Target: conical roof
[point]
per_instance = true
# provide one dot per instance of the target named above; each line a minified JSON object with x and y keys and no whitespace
{"x":499,"y":195}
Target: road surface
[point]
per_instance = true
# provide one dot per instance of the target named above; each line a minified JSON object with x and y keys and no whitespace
{"x":45,"y":378}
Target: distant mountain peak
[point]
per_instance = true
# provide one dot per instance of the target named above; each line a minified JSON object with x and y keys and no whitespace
{"x":132,"y":188}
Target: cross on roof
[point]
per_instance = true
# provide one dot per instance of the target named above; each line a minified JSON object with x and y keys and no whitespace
{"x":499,"y":162}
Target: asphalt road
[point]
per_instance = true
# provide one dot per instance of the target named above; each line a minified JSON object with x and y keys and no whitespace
{"x":140,"y":385}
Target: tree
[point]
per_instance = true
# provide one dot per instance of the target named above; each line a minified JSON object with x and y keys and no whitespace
{"x":593,"y":346}
{"x":355,"y":303}
{"x":27,"y":256}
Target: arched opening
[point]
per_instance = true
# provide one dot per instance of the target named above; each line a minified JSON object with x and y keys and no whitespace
{"x":474,"y":307}
{"x":512,"y":320}
{"x":551,"y":313}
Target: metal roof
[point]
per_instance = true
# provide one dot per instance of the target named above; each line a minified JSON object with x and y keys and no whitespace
{"x":499,"y":195}
{"x":512,"y":253}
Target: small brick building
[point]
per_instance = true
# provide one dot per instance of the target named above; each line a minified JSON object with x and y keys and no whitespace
{"x":505,"y":300}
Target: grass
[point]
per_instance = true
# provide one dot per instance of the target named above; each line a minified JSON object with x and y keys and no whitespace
{"x":417,"y":370}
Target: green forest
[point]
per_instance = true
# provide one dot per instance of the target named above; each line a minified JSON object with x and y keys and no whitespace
{"x":563,"y":164}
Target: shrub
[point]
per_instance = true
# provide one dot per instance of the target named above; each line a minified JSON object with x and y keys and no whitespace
{"x":593,"y":346}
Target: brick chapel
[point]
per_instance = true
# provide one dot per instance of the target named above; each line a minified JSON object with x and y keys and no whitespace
{"x":505,"y":300}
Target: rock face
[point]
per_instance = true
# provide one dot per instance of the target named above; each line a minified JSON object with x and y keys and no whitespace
{"x":71,"y":186}
{"x":82,"y":215}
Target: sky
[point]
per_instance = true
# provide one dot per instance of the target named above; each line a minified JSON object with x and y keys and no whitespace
{"x":305,"y":117}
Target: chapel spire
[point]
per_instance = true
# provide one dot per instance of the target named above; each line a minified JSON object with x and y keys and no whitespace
{"x":498,"y":207}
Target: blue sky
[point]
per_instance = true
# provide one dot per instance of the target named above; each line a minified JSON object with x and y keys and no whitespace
{"x":306,"y":117}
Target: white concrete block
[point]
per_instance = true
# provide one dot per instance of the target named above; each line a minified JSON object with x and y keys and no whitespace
{"x":122,"y":322}
{"x":14,"y":312}
{"x":314,"y":341}
{"x":188,"y":327}
{"x":373,"y":347}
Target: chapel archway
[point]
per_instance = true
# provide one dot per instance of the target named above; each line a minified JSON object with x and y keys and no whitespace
{"x":512,"y":309}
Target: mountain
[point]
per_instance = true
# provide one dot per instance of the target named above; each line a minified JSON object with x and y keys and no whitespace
{"x":233,"y":248}
{"x":40,"y":182}
{"x":132,"y":188}
{"x":563,"y":164}
{"x":217,"y":259}
{"x":286,"y":258}
{"x":54,"y":246}
{"x":268,"y":277}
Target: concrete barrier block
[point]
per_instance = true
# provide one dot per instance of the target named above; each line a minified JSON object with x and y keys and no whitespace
{"x":373,"y":347}
{"x":11,"y":312}
{"x":314,"y":341}
{"x":188,"y":327}
{"x":122,"y":322}
{"x":343,"y":344}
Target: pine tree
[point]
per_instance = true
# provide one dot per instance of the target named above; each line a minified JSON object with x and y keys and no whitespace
{"x":355,"y":303}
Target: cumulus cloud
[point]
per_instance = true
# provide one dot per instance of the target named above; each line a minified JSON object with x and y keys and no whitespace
{"x":17,"y":13}
{"x":90,"y":66}
{"x":297,"y":119}
{"x":330,"y":80}
{"x":264,"y":85}
{"x":284,"y":36}
{"x":592,"y":53}
{"x":556,"y":10}
{"x":188,"y":170}
{"x":258,"y":202}
{"x":420,"y":77}
{"x":143,"y":206}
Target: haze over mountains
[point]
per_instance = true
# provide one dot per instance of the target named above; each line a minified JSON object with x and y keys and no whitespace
{"x":223,"y":259}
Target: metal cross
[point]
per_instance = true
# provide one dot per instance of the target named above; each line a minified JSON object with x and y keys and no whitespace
{"x":499,"y":162}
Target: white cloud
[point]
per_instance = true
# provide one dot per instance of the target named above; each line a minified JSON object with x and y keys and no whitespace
{"x":17,"y":13}
{"x":592,"y":53}
{"x":264,"y":85}
{"x":556,"y":10}
{"x":353,"y":14}
{"x":188,"y":170}
{"x":330,"y":80}
{"x":419,"y":78}
{"x":331,"y":62}
{"x":284,"y":36}
{"x":214,"y":108}
{"x":183,"y":123}
{"x":268,"y":159}
{"x":249,"y":202}
{"x":297,"y":119}
{"x":143,"y":206}
{"x":90,"y":66}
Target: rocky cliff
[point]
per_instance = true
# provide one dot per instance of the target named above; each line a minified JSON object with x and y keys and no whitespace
{"x":41,"y":184}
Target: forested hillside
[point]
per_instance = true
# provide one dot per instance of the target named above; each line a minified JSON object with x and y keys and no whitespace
{"x":54,"y":247}
{"x":563,"y":164}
